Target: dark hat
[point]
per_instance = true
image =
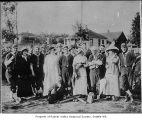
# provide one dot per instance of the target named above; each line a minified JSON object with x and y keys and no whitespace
{"x":51,"y":48}
{"x":102,"y":45}
{"x":24,"y":49}
{"x":66,"y":46}
{"x":14,"y":46}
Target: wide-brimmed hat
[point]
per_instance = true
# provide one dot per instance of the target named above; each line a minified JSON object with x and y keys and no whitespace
{"x":94,"y":48}
{"x":112,"y":47}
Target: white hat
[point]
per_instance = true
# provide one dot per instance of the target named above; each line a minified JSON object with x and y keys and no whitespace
{"x":112,"y":47}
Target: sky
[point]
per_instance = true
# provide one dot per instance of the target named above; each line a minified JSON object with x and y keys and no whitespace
{"x":59,"y":16}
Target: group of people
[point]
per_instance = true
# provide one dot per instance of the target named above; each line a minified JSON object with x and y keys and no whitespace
{"x":67,"y":71}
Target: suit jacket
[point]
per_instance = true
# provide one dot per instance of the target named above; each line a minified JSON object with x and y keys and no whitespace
{"x":130,"y":58}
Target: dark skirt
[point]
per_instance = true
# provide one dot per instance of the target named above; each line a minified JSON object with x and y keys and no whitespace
{"x":24,"y":87}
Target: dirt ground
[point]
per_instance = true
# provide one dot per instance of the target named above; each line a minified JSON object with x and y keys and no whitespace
{"x":41,"y":105}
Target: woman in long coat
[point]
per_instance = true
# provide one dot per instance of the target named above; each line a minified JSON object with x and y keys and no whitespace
{"x":79,"y":66}
{"x":24,"y":73}
{"x":112,"y":72}
{"x":50,"y":70}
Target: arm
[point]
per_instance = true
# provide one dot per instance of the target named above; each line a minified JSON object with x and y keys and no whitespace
{"x":8,"y":61}
{"x":31,"y":67}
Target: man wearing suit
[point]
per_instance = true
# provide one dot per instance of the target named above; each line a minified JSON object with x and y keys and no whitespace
{"x":126,"y":62}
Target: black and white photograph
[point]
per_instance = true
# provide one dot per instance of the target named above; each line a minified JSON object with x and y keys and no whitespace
{"x":70,"y":57}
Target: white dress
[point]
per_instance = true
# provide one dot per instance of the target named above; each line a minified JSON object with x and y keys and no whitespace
{"x":112,"y":77}
{"x":51,"y":72}
{"x":80,"y":83}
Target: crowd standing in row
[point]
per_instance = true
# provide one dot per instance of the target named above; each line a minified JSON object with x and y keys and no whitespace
{"x":67,"y":71}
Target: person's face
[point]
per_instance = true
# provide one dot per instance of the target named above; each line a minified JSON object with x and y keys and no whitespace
{"x":25,"y":53}
{"x":36,"y":50}
{"x":124,"y":49}
{"x":84,"y":46}
{"x":14,"y":50}
{"x":110,"y":53}
{"x":65,"y":50}
{"x":94,"y":52}
{"x":43,"y":49}
{"x":72,"y":51}
{"x":102,"y":49}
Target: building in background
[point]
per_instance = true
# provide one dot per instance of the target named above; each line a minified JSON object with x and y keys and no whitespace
{"x":118,"y":37}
